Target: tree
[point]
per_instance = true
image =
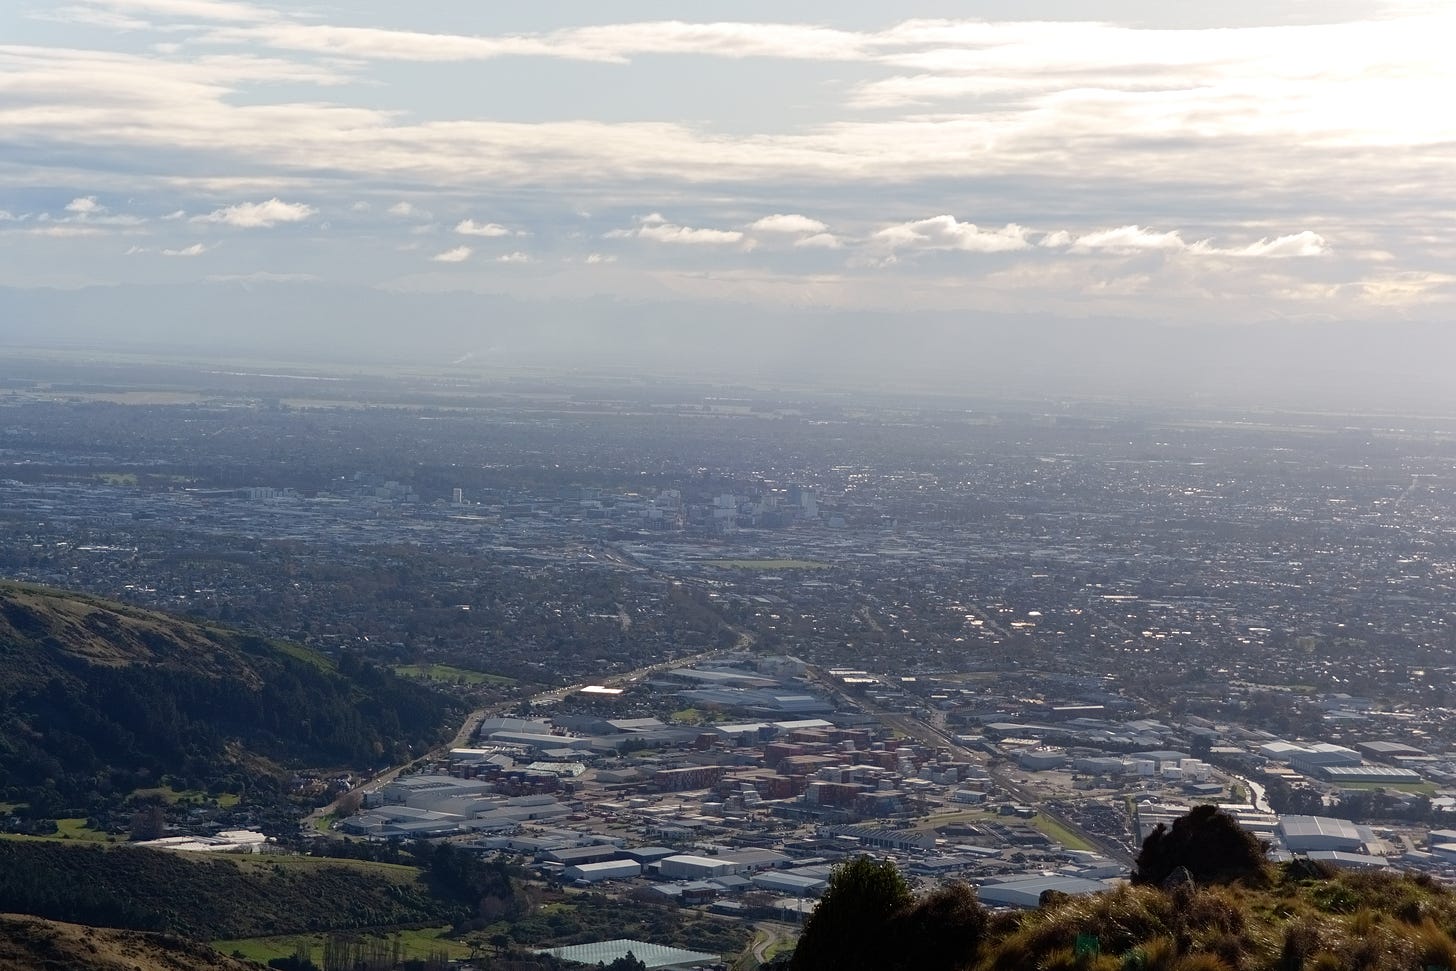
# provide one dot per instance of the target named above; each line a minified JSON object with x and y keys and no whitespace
{"x":848,"y":929}
{"x":1207,"y":843}
{"x":627,"y":962}
{"x":941,"y":931}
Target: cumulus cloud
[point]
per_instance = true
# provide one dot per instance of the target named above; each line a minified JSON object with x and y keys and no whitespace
{"x":196,"y":249}
{"x":457,"y":255}
{"x":1128,"y":239}
{"x":85,"y":206}
{"x":515,"y":257}
{"x":948,"y":233}
{"x":1298,"y":244}
{"x":469,"y":227}
{"x":404,"y":210}
{"x":259,"y":215}
{"x":787,"y":223}
{"x":659,"y":230}
{"x":594,"y":258}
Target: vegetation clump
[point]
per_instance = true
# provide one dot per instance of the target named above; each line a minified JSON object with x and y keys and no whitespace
{"x":1208,"y":845}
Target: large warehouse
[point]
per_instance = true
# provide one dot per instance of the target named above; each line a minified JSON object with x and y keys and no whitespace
{"x":1027,"y":892}
{"x":1300,"y":834}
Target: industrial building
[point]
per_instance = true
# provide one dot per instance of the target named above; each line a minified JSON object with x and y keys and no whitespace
{"x":606,"y":870}
{"x":1026,"y":892}
{"x":654,"y":956}
{"x":689,"y":867}
{"x":1301,"y":834}
{"x":1337,"y":774}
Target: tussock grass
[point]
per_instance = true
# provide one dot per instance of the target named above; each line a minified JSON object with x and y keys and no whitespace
{"x":1292,"y":918}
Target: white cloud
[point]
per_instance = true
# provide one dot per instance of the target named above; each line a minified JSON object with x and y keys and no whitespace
{"x":259,"y":215}
{"x":610,"y":43}
{"x":196,"y":249}
{"x":1129,"y":239}
{"x":457,"y":255}
{"x":63,"y":231}
{"x":593,"y":258}
{"x":948,"y":233}
{"x":1201,"y":141}
{"x":85,"y":206}
{"x":659,"y":230}
{"x":469,"y":227}
{"x":405,"y":210}
{"x":175,"y":214}
{"x":787,"y":223}
{"x":1298,"y":244}
{"x":1136,"y":239}
{"x":206,"y":10}
{"x":516,"y":257}
{"x":820,"y":241}
{"x":91,"y":17}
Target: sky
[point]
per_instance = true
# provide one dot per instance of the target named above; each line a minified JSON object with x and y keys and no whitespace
{"x":1238,"y":165}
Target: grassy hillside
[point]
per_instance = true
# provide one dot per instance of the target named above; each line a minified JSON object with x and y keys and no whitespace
{"x":28,"y":943}
{"x":206,"y":898}
{"x":1375,"y":921}
{"x":100,"y":699}
{"x":1292,"y":917}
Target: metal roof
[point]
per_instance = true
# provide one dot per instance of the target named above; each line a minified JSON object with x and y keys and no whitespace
{"x":652,"y":955}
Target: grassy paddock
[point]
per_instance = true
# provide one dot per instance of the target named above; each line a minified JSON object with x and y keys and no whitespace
{"x":450,"y":673}
{"x":171,"y":796}
{"x":1060,"y":833}
{"x":77,"y":829}
{"x":393,"y":872}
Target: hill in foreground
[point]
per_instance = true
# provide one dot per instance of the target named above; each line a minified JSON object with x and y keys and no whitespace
{"x":1297,"y":916}
{"x":101,"y":698}
{"x":28,"y":943}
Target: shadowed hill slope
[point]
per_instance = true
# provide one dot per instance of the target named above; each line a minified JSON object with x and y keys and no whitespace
{"x":211,"y":897}
{"x":101,"y":698}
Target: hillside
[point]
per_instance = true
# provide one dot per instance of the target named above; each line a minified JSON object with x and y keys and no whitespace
{"x":101,"y":699}
{"x":28,"y":943}
{"x":206,"y":898}
{"x":1295,"y":916}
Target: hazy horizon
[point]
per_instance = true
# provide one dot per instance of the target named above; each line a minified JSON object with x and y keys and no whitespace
{"x":1253,"y":203}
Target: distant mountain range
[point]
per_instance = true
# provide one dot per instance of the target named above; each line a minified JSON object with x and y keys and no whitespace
{"x":100,"y":699}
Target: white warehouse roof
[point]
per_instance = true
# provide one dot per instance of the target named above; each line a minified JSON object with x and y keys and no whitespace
{"x":1027,"y":892}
